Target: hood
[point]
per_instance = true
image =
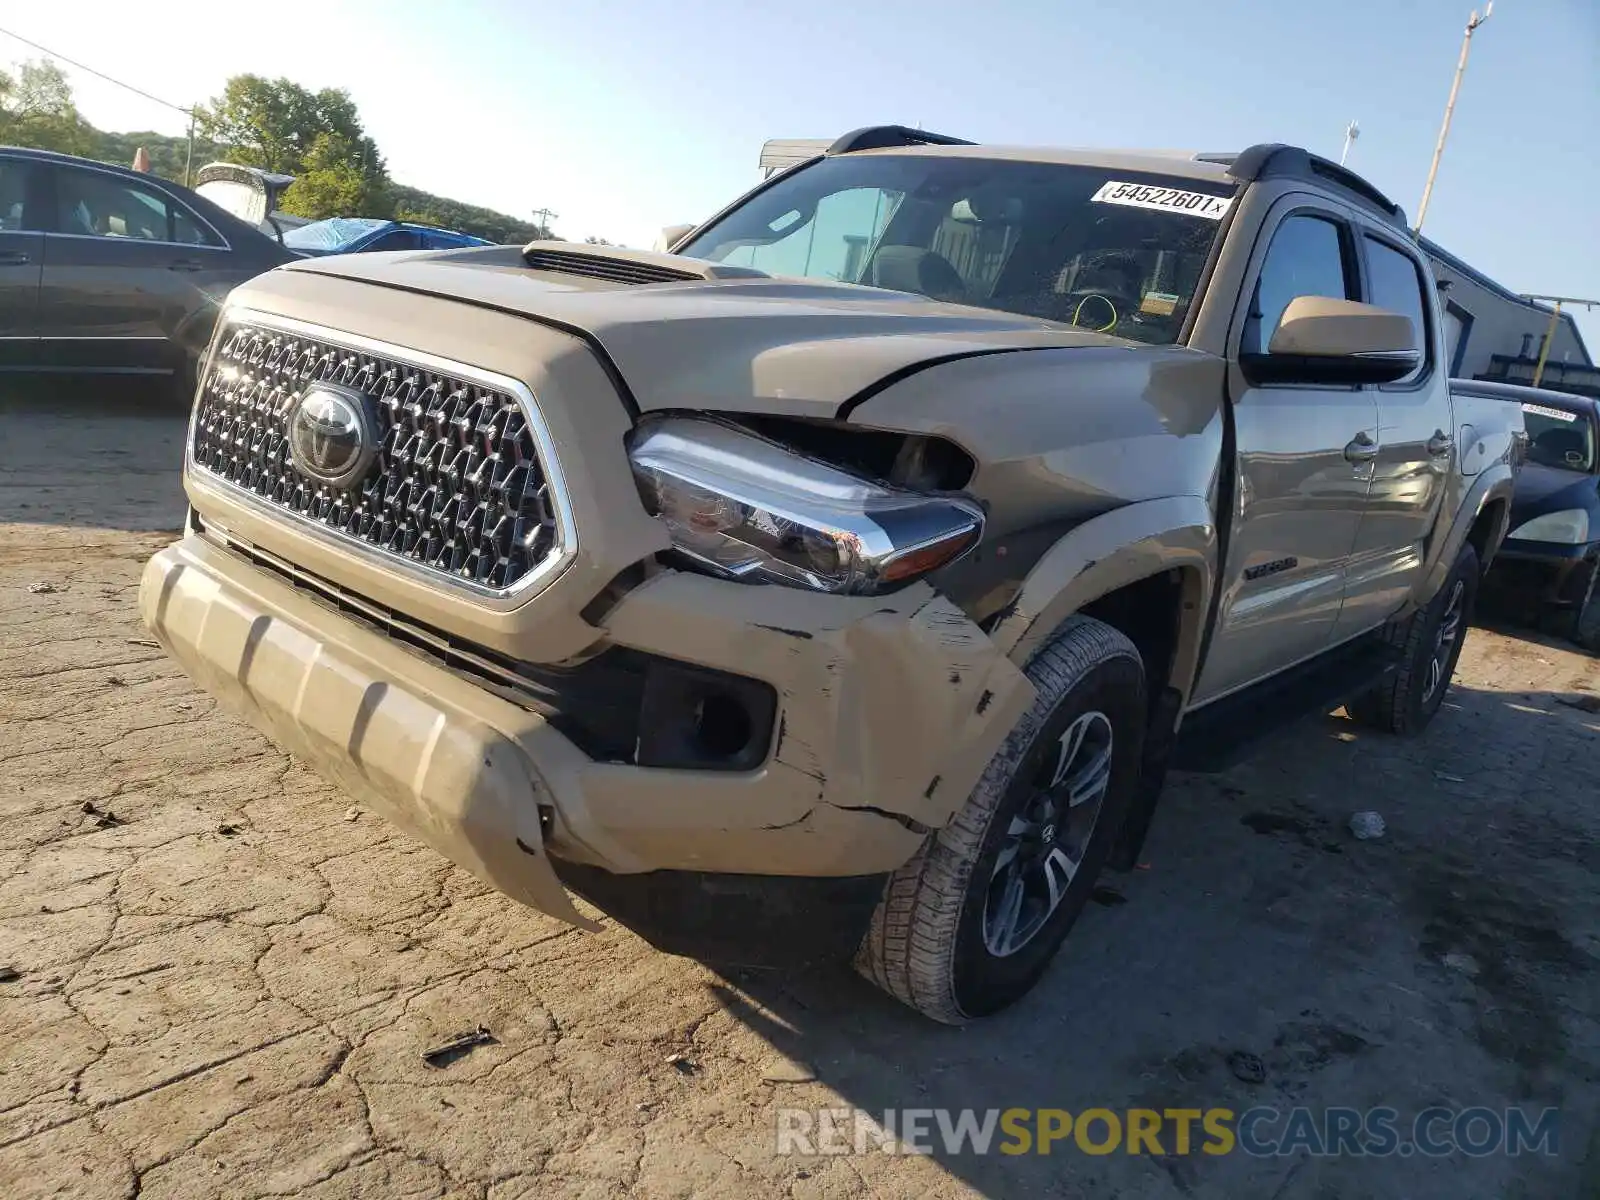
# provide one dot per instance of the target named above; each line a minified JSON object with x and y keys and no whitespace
{"x":686,"y":334}
{"x":1543,"y":489}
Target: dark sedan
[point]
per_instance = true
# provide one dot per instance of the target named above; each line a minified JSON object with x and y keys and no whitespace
{"x":362,"y":235}
{"x":1552,"y":555}
{"x":104,"y":269}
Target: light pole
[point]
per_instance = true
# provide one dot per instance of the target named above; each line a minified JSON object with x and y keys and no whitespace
{"x":545,"y":217}
{"x":1351,"y":132}
{"x":1450,"y":107}
{"x":1550,"y":333}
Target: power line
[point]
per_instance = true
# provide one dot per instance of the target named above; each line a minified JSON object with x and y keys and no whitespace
{"x":188,"y":112}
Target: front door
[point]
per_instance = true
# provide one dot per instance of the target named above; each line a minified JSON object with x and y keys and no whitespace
{"x":1416,"y":445}
{"x":21,"y":258}
{"x":1303,"y":461}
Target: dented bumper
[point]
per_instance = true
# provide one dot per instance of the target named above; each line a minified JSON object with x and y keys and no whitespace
{"x":888,"y":710}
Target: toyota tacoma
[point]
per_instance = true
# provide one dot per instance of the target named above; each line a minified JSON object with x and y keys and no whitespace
{"x":856,"y":570}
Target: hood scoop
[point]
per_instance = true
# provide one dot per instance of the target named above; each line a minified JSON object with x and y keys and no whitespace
{"x":630,"y":267}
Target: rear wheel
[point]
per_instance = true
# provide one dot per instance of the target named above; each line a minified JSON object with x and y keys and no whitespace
{"x":969,"y":925}
{"x":1430,"y":644}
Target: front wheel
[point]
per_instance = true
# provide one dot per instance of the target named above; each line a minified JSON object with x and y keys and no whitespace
{"x":1429,"y":643}
{"x":1586,"y":623}
{"x":969,"y":925}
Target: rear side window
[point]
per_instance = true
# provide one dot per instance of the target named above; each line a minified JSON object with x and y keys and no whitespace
{"x":1396,"y":283}
{"x":14,"y":197}
{"x":97,"y":204}
{"x":1308,"y":256}
{"x":397,"y":239}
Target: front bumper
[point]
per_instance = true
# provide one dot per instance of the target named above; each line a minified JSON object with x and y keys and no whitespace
{"x":1550,"y":572}
{"x":889,"y":709}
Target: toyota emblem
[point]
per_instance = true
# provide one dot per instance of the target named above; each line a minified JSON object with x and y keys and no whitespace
{"x":333,"y":438}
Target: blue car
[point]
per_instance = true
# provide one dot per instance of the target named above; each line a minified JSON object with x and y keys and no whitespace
{"x":359,"y":235}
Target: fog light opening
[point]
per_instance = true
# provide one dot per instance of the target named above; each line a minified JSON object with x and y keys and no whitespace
{"x":722,"y":726}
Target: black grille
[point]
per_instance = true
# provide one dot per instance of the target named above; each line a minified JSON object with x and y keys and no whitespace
{"x":457,"y":487}
{"x":600,"y":266}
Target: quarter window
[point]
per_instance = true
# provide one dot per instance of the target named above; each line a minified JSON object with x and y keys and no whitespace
{"x":1396,"y":283}
{"x":1308,"y":257}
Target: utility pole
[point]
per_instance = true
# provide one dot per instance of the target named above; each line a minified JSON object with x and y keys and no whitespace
{"x":1550,"y":333}
{"x":1450,"y":107}
{"x":545,"y":217}
{"x":1351,"y":132}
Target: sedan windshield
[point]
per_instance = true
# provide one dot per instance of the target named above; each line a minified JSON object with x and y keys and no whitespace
{"x":1558,"y":437}
{"x":1101,"y":248}
{"x":333,"y":234}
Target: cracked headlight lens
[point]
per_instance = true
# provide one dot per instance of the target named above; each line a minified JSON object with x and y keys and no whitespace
{"x":747,"y":508}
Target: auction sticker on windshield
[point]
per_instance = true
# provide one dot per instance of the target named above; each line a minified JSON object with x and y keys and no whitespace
{"x":1143,"y":195}
{"x":1556,"y":414}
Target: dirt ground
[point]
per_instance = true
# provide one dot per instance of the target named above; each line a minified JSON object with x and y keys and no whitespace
{"x":222,"y":977}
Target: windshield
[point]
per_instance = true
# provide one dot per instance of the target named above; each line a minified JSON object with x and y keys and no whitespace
{"x":1114,"y":251}
{"x":1558,"y":438}
{"x":332,"y":234}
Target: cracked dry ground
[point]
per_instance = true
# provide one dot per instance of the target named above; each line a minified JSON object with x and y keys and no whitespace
{"x":225,"y":979}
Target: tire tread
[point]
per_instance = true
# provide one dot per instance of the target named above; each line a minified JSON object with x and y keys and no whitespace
{"x":909,"y":948}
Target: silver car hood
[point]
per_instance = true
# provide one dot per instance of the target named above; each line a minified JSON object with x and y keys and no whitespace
{"x":749,"y":343}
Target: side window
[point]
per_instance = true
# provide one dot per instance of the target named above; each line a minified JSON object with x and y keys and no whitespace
{"x":1396,"y":283}
{"x":397,"y":239}
{"x":190,"y":230}
{"x":91,"y":204}
{"x":14,"y":197}
{"x":1309,"y":256}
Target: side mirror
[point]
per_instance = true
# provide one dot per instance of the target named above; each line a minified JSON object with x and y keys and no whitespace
{"x":1337,"y":342}
{"x":671,"y":236}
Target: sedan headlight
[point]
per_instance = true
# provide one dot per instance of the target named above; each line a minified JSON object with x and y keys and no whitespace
{"x":1570,"y":527}
{"x":750,"y":509}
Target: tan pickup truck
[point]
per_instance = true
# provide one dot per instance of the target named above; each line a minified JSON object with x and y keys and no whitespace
{"x":851,"y":575}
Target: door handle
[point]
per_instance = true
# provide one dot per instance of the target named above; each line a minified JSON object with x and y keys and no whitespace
{"x":1441,"y":443}
{"x":185,"y":264}
{"x":13,"y":258}
{"x":1361,"y":448}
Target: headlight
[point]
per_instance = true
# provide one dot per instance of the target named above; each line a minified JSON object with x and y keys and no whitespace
{"x":1570,"y":526}
{"x":750,"y":509}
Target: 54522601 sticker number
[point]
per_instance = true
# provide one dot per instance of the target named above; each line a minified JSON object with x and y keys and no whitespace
{"x":1166,"y":199}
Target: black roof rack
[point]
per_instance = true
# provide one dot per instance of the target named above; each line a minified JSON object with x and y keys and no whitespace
{"x":1275,"y":160}
{"x":879,"y":137}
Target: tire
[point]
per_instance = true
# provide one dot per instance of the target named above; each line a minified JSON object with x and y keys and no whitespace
{"x":933,"y":942}
{"x":1586,"y":622}
{"x":1430,"y":645}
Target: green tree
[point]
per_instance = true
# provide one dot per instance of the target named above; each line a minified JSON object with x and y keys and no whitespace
{"x":336,"y":180}
{"x":280,"y":126}
{"x":36,"y":109}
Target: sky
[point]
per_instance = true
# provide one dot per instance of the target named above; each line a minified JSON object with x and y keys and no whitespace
{"x":621,"y":116}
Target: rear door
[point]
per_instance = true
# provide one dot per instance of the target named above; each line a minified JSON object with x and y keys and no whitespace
{"x":1416,"y":446}
{"x":126,"y":268}
{"x":21,"y":261}
{"x":1303,"y":461}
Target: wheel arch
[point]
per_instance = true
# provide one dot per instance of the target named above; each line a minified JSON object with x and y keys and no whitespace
{"x":1146,"y":569}
{"x":1483,"y":519}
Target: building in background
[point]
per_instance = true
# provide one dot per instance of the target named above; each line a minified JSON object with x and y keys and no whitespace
{"x":1490,"y":331}
{"x":1493,"y":333}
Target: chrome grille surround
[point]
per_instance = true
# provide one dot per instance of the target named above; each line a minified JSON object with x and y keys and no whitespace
{"x":466,"y":494}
